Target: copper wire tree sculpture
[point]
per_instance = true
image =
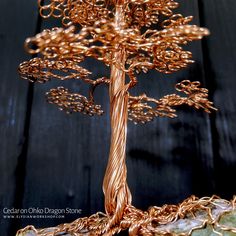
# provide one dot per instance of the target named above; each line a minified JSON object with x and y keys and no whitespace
{"x":122,"y":34}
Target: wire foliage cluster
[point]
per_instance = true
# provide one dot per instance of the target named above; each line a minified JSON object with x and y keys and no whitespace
{"x":62,"y":51}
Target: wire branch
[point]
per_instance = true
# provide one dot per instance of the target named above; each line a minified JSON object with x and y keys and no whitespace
{"x":43,"y":70}
{"x":96,"y":83}
{"x":72,"y":102}
{"x":143,"y":109}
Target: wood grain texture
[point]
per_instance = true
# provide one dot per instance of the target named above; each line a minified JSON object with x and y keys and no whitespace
{"x":219,"y":58}
{"x":18,"y":19}
{"x":166,"y":156}
{"x":65,"y":156}
{"x":70,"y":150}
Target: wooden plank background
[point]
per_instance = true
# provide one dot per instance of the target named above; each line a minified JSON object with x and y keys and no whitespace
{"x":50,"y":159}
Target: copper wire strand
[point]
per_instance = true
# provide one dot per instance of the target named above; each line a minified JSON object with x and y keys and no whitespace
{"x":113,"y":32}
{"x":143,"y":109}
{"x":141,"y":222}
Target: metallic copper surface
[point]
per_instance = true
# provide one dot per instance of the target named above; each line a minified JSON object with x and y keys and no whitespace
{"x":147,"y":223}
{"x":123,"y":34}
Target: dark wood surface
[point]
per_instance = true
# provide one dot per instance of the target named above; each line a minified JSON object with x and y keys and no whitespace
{"x":50,"y":159}
{"x":18,"y":20}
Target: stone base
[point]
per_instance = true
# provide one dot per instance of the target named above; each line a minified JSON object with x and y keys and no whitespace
{"x":196,"y":217}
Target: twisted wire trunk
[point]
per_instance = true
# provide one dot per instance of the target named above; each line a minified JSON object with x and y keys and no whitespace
{"x":115,"y":188}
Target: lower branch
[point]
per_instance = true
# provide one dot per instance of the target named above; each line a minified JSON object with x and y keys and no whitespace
{"x":143,"y":109}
